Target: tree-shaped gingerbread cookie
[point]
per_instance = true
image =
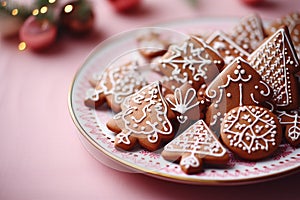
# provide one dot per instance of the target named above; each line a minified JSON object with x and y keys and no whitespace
{"x":195,"y":146}
{"x":114,"y":85}
{"x":146,"y":119}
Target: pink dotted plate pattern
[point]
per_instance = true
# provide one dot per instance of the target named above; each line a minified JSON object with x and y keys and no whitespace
{"x":99,"y":140}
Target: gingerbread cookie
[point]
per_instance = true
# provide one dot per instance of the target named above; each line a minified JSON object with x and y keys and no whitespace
{"x":184,"y":104}
{"x":227,"y":48}
{"x":237,"y":85}
{"x":291,"y":121}
{"x":248,"y":33}
{"x":292,"y":21}
{"x":151,"y":45}
{"x":114,"y":86}
{"x":277,"y":63}
{"x":195,"y":146}
{"x":146,"y":120}
{"x":251,"y":132}
{"x":192,"y":62}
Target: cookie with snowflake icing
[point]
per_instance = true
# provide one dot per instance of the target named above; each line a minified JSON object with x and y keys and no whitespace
{"x":277,"y":63}
{"x":192,"y":62}
{"x":151,"y":44}
{"x":227,"y":48}
{"x":237,"y":85}
{"x":146,"y":120}
{"x":251,"y":132}
{"x":114,"y":85}
{"x":195,"y":146}
{"x":292,"y":21}
{"x":248,"y":33}
{"x":185,"y":105}
{"x":291,"y":121}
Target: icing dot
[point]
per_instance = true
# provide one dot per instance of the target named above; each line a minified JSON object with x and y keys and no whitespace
{"x":236,"y":72}
{"x":248,"y":138}
{"x":143,"y":128}
{"x":228,"y":136}
{"x":228,"y":95}
{"x":256,"y":87}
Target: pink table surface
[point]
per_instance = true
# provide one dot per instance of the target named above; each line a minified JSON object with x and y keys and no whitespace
{"x":41,"y":156}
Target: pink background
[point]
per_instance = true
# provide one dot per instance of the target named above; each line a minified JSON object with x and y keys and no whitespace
{"x":41,"y":156}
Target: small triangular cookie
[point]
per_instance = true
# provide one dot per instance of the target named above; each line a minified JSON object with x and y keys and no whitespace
{"x":194,"y":147}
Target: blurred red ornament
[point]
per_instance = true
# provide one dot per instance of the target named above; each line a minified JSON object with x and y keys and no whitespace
{"x":38,"y":34}
{"x":252,"y":2}
{"x":124,"y":5}
{"x":77,"y":17}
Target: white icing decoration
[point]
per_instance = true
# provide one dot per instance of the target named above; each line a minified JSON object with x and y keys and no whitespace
{"x":211,"y":93}
{"x":93,"y":94}
{"x":250,"y":137}
{"x":182,"y":103}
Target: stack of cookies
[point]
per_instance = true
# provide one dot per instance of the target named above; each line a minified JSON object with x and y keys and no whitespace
{"x":229,"y":94}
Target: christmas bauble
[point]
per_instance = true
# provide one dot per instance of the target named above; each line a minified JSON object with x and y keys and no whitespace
{"x":38,"y":34}
{"x":252,"y":2}
{"x":124,"y":5}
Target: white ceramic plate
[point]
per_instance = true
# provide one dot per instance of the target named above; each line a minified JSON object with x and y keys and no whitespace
{"x":99,"y":140}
